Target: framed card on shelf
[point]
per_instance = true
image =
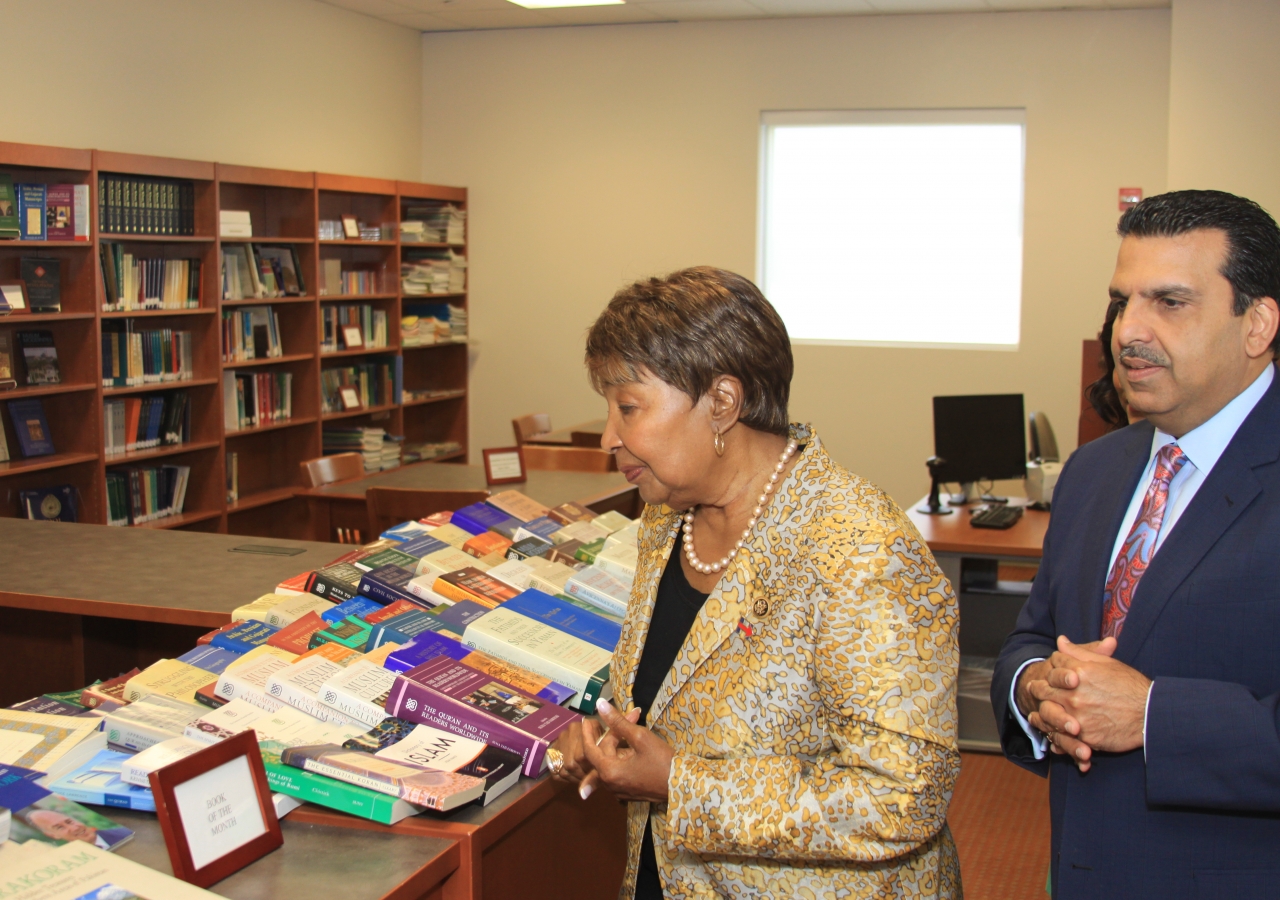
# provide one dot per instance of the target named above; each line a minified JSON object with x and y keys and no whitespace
{"x":215,"y":810}
{"x":351,"y":338}
{"x":351,"y":228}
{"x":13,"y":297}
{"x":504,"y":465}
{"x":350,"y":398}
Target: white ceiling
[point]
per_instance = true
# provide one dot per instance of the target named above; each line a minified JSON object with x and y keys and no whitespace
{"x":463,"y":15}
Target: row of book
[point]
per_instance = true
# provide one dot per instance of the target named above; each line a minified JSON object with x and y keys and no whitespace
{"x":132,"y":357}
{"x":380,"y":450}
{"x":432,"y":323}
{"x":424,"y":451}
{"x":434,"y":223}
{"x":362,"y":386}
{"x":133,"y":424}
{"x":439,"y":271}
{"x":335,"y":281}
{"x":130,"y":204}
{"x":257,"y":271}
{"x":145,"y":493}
{"x":132,"y":282}
{"x":254,"y":399}
{"x":352,"y":327}
{"x":250,"y":332}
{"x":43,"y":212}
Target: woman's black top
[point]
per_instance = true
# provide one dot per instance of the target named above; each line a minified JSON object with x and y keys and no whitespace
{"x":674,"y":610}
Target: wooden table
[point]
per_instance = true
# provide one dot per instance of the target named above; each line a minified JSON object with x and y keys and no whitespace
{"x":320,"y":860}
{"x":342,"y":504}
{"x":563,"y":437}
{"x":990,"y":570}
{"x":538,"y":841}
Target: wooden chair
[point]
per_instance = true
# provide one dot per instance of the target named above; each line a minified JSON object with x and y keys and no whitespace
{"x":568,"y":459}
{"x":529,"y":426}
{"x":386,"y":506}
{"x":585,"y":439}
{"x":328,"y":469}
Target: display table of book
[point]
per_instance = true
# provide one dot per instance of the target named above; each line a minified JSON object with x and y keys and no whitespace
{"x":319,"y":860}
{"x":342,"y":505}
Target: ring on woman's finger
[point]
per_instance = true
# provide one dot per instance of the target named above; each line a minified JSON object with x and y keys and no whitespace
{"x":555,"y":760}
{"x":1053,"y":738}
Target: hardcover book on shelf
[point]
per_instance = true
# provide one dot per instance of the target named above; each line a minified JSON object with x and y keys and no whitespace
{"x":99,"y":782}
{"x":43,"y":278}
{"x":31,"y":427}
{"x":9,"y":228}
{"x":451,"y":696}
{"x":399,"y":740}
{"x":428,"y":788}
{"x":40,"y":357}
{"x":60,"y":212}
{"x":51,"y":504}
{"x":31,"y":211}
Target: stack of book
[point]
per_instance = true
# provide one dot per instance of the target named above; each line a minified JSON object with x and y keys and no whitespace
{"x":440,"y":271}
{"x":368,"y":442}
{"x":250,"y":332}
{"x":434,"y":223}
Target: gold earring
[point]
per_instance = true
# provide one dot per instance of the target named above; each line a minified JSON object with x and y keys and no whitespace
{"x":719,"y":444}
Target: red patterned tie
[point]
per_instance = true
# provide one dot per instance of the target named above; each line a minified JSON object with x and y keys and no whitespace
{"x":1138,"y":548}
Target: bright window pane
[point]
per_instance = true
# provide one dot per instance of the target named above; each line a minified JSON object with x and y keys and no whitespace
{"x":894,"y":228}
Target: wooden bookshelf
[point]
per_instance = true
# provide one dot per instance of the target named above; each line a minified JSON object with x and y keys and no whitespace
{"x":286,"y":208}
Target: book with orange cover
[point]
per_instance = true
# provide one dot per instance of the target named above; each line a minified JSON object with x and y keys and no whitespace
{"x":333,"y":652}
{"x":474,"y":585}
{"x":296,"y":636}
{"x":485,"y":543}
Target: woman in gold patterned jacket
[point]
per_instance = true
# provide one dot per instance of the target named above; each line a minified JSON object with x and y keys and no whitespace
{"x":785,"y":721}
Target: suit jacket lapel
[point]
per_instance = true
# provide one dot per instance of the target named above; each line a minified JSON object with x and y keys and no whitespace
{"x":1225,"y":494}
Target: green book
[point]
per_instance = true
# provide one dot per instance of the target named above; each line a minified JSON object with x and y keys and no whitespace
{"x":350,"y":632}
{"x":324,"y":791}
{"x":587,"y":552}
{"x":9,"y":225}
{"x":388,"y":557}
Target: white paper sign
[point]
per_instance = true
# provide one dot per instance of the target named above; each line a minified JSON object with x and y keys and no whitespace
{"x":13,"y":296}
{"x":505,"y":465}
{"x":219,"y":811}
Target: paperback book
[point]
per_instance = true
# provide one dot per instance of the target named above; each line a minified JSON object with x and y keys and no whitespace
{"x":428,"y":788}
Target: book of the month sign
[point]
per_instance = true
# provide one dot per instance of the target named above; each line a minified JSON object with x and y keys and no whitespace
{"x":215,"y":810}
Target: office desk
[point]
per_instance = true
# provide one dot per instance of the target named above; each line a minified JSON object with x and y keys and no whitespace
{"x":563,"y":437}
{"x":974,"y":560}
{"x":320,"y":861}
{"x":342,"y":505}
{"x":538,"y":841}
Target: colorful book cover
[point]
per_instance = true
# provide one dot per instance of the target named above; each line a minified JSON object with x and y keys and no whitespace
{"x":350,"y":632}
{"x":486,"y":543}
{"x":390,"y":611}
{"x":337,"y":582}
{"x":456,"y":617}
{"x":474,"y":585}
{"x":9,"y":227}
{"x":479,"y":518}
{"x":244,"y":636}
{"x":31,"y":212}
{"x":106,"y":691}
{"x":540,"y":528}
{"x":51,"y":504}
{"x":402,"y":629}
{"x":323,"y":791}
{"x":517,"y":505}
{"x":405,"y":531}
{"x":566,"y":617}
{"x":60,"y":212}
{"x":420,"y":547}
{"x":429,"y":788}
{"x":426,"y":647}
{"x":567,"y":513}
{"x":356,"y":606}
{"x":31,"y":427}
{"x":100,"y":782}
{"x":43,"y":277}
{"x":58,"y":820}
{"x":296,"y":636}
{"x":50,"y":706}
{"x":454,"y":697}
{"x":389,"y":557}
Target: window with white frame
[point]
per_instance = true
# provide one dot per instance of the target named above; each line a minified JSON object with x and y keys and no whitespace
{"x":894,"y":227}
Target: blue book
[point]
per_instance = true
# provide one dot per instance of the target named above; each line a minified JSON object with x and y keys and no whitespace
{"x":50,"y":504}
{"x":479,"y":518}
{"x":356,"y":606}
{"x":428,"y":646}
{"x":566,"y":617}
{"x":31,"y":426}
{"x":386,"y":584}
{"x":402,"y":629}
{"x":422,"y":546}
{"x":210,"y":658}
{"x":18,"y":788}
{"x":542,"y":527}
{"x":244,"y":637}
{"x":405,"y":531}
{"x":459,"y":615}
{"x":98,"y":782}
{"x":31,"y":211}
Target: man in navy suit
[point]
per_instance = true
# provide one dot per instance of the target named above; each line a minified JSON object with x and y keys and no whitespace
{"x":1144,"y":672}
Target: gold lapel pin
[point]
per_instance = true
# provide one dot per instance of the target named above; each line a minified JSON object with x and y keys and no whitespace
{"x":761,"y":607}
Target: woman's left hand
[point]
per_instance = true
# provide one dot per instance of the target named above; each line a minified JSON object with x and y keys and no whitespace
{"x":633,"y":761}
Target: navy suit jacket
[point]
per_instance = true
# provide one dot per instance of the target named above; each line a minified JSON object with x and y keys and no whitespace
{"x":1199,"y":816}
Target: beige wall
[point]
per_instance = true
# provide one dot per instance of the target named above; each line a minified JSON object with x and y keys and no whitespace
{"x":286,"y":83}
{"x":1224,"y":107}
{"x":599,"y":155}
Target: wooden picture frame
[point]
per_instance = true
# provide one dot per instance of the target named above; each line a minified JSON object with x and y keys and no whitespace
{"x":351,"y":337}
{"x":215,"y":810}
{"x":350,"y":398}
{"x":351,"y":228}
{"x":11,"y":290}
{"x":504,"y":465}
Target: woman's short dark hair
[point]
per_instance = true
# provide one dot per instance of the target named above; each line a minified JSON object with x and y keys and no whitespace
{"x":691,"y":327}
{"x":1102,"y":394}
{"x":1252,"y":265}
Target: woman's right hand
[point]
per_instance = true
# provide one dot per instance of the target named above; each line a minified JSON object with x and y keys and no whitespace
{"x":576,"y":769}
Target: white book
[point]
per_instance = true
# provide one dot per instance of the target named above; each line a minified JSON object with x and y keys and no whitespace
{"x":543,"y":650}
{"x":551,"y":578}
{"x":137,"y":769}
{"x":515,"y":572}
{"x":580,"y":531}
{"x":258,"y":609}
{"x":442,"y":562}
{"x":77,"y":870}
{"x":299,"y":685}
{"x":612,"y":521}
{"x":287,"y":725}
{"x":359,"y":691}
{"x":423,"y":587}
{"x":619,"y":561}
{"x":600,"y":589}
{"x":290,"y":610}
{"x":248,"y":681}
{"x":80,"y":211}
{"x":149,"y":721}
{"x":629,"y":536}
{"x":54,"y":745}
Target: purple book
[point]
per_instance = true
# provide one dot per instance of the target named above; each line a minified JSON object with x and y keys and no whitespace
{"x":463,"y":701}
{"x":480,"y":517}
{"x":428,"y":645}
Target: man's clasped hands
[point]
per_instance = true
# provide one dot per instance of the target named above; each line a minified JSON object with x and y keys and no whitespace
{"x":1084,"y":701}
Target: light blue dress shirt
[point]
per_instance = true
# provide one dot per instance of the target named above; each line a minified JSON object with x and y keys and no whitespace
{"x":1203,"y":447}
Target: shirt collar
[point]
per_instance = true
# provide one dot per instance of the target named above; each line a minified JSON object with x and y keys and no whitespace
{"x":1204,"y":444}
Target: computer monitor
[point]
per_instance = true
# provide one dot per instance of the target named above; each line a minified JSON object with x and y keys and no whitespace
{"x":980,"y":437}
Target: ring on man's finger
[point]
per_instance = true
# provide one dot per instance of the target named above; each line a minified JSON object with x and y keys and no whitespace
{"x":555,"y":760}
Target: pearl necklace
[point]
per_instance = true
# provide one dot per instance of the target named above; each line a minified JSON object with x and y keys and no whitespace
{"x":707,"y":568}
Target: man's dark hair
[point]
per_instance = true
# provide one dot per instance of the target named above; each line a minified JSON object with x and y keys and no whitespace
{"x":1253,"y":239}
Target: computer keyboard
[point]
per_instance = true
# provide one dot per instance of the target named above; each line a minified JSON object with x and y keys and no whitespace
{"x":995,"y":516}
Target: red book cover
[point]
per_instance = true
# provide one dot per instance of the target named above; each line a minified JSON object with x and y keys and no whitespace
{"x":60,"y":206}
{"x":472,"y":584}
{"x":391,"y":609}
{"x":486,"y":543}
{"x":297,"y":584}
{"x":296,"y":636}
{"x":112,"y":690}
{"x":435,"y":520}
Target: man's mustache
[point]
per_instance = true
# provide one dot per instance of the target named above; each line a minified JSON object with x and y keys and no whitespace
{"x":1146,"y":354}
